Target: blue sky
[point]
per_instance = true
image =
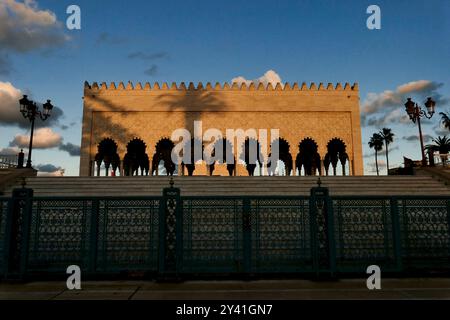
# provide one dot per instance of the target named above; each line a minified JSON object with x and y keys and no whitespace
{"x":311,"y":41}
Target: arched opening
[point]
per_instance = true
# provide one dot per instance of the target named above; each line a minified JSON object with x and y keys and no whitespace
{"x":193,"y":156}
{"x":163,"y":152}
{"x":136,"y":158}
{"x":226,"y":149}
{"x":251,"y":155}
{"x":336,"y":153}
{"x":308,"y":158}
{"x":107,"y":156}
{"x":284,"y":162}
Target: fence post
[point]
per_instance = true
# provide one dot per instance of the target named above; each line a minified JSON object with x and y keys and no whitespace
{"x":322,"y":229}
{"x":93,"y":236}
{"x":17,"y":235}
{"x":396,"y":234}
{"x":170,"y":240}
{"x":448,"y":229}
{"x":247,"y":235}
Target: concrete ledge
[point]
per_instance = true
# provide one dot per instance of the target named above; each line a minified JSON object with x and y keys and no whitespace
{"x":13,"y":176}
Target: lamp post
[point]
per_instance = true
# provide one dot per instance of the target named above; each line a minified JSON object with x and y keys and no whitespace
{"x":415,"y":112}
{"x":30,"y":110}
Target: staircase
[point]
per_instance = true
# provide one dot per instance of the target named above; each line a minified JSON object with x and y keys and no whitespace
{"x":216,"y":185}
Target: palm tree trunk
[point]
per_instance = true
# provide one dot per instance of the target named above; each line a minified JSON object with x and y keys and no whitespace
{"x":376,"y":162}
{"x":387,"y":159}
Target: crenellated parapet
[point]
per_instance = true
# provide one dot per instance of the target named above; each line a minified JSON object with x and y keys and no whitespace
{"x":234,"y":86}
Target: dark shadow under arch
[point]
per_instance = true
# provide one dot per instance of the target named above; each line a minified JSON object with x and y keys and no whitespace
{"x":227,"y":151}
{"x":308,"y":157}
{"x":336,"y":152}
{"x":163,"y":152}
{"x":284,"y":155}
{"x":251,"y":155}
{"x":107,"y":154}
{"x":193,"y":158}
{"x":136,"y":158}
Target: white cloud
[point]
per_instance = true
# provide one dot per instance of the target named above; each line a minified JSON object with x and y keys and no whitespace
{"x":415,"y":86}
{"x":44,"y":138}
{"x":372,"y":169}
{"x":9,"y":108}
{"x":440,"y":130}
{"x":388,"y":106}
{"x":57,"y":173}
{"x":9,"y":105}
{"x":393,"y":116}
{"x":269,"y":77}
{"x":393,"y":98}
{"x":24,"y":27}
{"x":14,"y":151}
{"x":49,"y":170}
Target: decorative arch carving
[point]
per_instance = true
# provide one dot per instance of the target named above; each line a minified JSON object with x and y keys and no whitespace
{"x":248,"y":150}
{"x":336,"y":152}
{"x":107,"y":154}
{"x":284,"y":155}
{"x":308,"y":157}
{"x":193,"y":158}
{"x":136,"y":158}
{"x":163,"y":152}
{"x":227,"y":149}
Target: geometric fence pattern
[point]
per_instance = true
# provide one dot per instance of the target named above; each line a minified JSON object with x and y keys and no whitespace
{"x":174,"y":235}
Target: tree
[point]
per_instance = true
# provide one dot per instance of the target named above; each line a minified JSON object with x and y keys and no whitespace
{"x":441,"y":144}
{"x":445,"y":120}
{"x":388,"y":138}
{"x":376,"y":142}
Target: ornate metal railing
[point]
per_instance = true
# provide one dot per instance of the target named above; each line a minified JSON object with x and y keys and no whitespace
{"x":8,"y":161}
{"x":176,"y":236}
{"x":3,"y":217}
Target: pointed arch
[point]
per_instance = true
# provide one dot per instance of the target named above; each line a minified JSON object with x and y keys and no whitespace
{"x":284,"y":155}
{"x":226,"y":147}
{"x":193,"y":157}
{"x":136,"y":158}
{"x":308,"y":157}
{"x":163,"y":152}
{"x":336,"y":153}
{"x":251,"y":155}
{"x":107,"y":154}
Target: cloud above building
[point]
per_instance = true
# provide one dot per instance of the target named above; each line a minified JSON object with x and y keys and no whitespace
{"x":387,"y":107}
{"x":24,"y":27}
{"x":269,"y":77}
{"x":70,"y":148}
{"x":152,"y":71}
{"x":148,"y":56}
{"x":49,"y":170}
{"x":372,"y":169}
{"x":44,"y":138}
{"x":413,"y":138}
{"x":11,"y":151}
{"x":9,"y":108}
{"x":109,"y":39}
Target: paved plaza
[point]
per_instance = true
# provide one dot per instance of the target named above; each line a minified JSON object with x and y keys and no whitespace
{"x":404,"y":289}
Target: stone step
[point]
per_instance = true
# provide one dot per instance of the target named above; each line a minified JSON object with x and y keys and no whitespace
{"x":218,"y":185}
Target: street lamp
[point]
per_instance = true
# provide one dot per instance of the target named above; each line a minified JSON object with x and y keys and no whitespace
{"x":30,"y":110}
{"x":415,"y":113}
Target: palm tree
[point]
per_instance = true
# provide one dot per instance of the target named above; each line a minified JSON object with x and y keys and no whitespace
{"x":445,"y":120}
{"x":376,"y":142}
{"x":388,"y":138}
{"x":441,"y":144}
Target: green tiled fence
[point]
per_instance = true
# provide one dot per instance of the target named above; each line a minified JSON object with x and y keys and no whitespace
{"x":179,"y":236}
